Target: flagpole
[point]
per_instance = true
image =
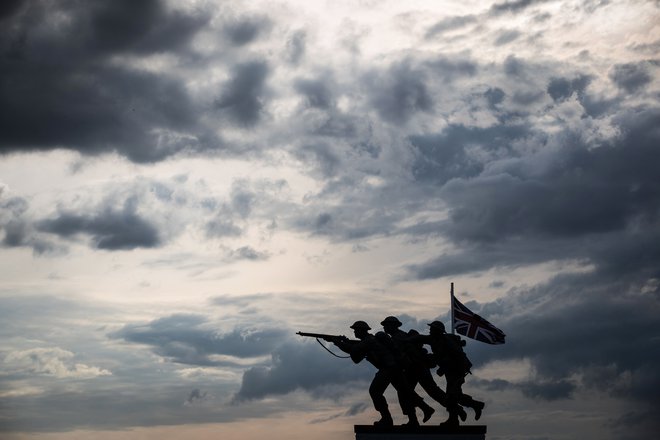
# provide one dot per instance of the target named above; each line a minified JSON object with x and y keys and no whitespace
{"x":451,"y":304}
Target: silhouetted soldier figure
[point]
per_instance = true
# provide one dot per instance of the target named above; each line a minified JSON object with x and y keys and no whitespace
{"x":417,"y":366}
{"x":454,"y":364}
{"x":375,"y":349}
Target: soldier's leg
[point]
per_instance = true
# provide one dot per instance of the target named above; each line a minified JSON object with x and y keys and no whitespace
{"x":377,"y":389}
{"x":415,"y":376}
{"x":476,"y":405}
{"x":408,"y":398}
{"x":454,"y":382}
{"x":432,"y":389}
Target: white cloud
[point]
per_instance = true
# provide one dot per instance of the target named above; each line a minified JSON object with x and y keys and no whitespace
{"x":54,"y":362}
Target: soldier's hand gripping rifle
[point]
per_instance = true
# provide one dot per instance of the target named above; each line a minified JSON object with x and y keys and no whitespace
{"x":335,"y":339}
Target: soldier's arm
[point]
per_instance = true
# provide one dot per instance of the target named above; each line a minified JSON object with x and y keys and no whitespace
{"x":357,"y":349}
{"x":346,"y":345}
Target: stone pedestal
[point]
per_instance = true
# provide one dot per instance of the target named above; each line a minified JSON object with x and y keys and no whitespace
{"x":467,"y":432}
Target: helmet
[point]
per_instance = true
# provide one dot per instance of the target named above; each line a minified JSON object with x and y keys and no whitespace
{"x":437,"y":325}
{"x":391,"y":320}
{"x":360,"y":325}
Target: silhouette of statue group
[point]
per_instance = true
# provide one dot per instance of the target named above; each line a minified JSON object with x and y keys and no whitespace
{"x":402,"y":361}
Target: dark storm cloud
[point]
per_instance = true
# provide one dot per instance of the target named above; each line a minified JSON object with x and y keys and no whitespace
{"x":60,"y":89}
{"x":243,"y":98}
{"x":321,"y":157}
{"x":597,"y":107}
{"x":452,"y":68}
{"x":506,"y":37}
{"x":18,"y":230}
{"x":242,"y":199}
{"x":528,"y":81}
{"x":514,"y":66}
{"x":631,"y":76}
{"x":550,"y":390}
{"x":12,"y":222}
{"x":450,"y":24}
{"x":109,"y":229}
{"x":339,"y":125}
{"x":345,"y":223}
{"x":650,"y":48}
{"x":303,"y":366}
{"x":317,"y":92}
{"x":441,"y":157}
{"x":591,"y":331}
{"x":520,"y":207}
{"x":399,"y":93}
{"x":492,"y":385}
{"x":246,"y":29}
{"x":513,"y":214}
{"x":196,"y":396}
{"x":247,"y":253}
{"x":222,"y":227}
{"x":96,"y":110}
{"x":582,"y":190}
{"x":597,"y":328}
{"x":15,"y":234}
{"x":9,"y":7}
{"x":192,"y":339}
{"x":248,"y":200}
{"x":142,"y":27}
{"x":563,"y":88}
{"x":494,"y":96}
{"x":629,"y":423}
{"x":537,"y":390}
{"x":513,"y":6}
{"x":356,"y":408}
{"x":479,"y":258}
{"x":526,"y":98}
{"x":230,"y":216}
{"x":240,"y":301}
{"x":296,"y":46}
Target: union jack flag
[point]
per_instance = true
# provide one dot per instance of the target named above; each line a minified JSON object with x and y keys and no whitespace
{"x":469,"y":324}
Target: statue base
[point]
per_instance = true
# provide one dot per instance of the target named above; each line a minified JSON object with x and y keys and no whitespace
{"x":464,"y":432}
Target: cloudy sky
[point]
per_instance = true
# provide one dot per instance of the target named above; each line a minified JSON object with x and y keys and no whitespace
{"x":184,"y":184}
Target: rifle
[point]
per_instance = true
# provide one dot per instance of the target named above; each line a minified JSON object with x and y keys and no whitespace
{"x":329,"y":338}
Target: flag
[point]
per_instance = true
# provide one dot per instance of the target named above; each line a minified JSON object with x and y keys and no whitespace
{"x":471,"y":325}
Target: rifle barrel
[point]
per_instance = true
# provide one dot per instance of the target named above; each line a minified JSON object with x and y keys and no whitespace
{"x":320,"y":336}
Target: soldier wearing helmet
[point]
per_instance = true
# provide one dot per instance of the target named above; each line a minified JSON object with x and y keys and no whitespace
{"x":375,"y":349}
{"x":418,"y":362}
{"x":360,"y":324}
{"x":454,"y":365}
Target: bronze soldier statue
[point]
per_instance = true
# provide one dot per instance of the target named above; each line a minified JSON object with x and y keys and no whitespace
{"x":454,"y":365}
{"x":374,"y":348}
{"x":417,"y":366}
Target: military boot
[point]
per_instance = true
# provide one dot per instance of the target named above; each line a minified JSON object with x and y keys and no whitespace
{"x":385,"y":419}
{"x":427,"y":410}
{"x":412,"y":420}
{"x":478,"y":406}
{"x":461,"y":413}
{"x":452,"y":421}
